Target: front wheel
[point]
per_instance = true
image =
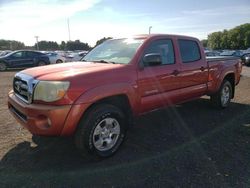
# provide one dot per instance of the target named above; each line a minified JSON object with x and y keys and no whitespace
{"x":102,"y":131}
{"x":223,"y":97}
{"x":2,"y":66}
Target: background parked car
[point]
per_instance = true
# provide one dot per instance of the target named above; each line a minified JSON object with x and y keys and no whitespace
{"x":211,"y":53}
{"x":5,"y":52}
{"x":246,"y":59}
{"x":236,"y":53}
{"x":76,"y":56}
{"x":23,"y":59}
{"x":65,"y":55}
{"x":55,"y":57}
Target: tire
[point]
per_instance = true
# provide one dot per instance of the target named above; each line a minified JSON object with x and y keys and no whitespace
{"x":223,"y":97}
{"x":41,"y":63}
{"x":59,"y":61}
{"x":102,"y":131}
{"x":3,"y":67}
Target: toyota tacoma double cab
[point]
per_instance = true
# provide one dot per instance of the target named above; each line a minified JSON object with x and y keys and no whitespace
{"x":96,"y":99}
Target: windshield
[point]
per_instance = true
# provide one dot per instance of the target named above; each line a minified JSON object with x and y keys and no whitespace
{"x":119,"y":51}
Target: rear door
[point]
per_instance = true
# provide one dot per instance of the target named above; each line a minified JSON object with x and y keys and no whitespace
{"x":193,"y":69}
{"x":32,"y":58}
{"x":158,"y":85}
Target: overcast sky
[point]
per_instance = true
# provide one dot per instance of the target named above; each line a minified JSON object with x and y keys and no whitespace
{"x":91,"y":20}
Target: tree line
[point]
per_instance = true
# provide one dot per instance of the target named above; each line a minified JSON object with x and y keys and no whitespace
{"x":48,"y":45}
{"x":70,"y":45}
{"x":236,"y":38}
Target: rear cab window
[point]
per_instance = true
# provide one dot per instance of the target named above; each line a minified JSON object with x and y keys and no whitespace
{"x":189,"y":50}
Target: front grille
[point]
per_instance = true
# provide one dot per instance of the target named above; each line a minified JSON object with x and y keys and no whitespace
{"x":21,"y":88}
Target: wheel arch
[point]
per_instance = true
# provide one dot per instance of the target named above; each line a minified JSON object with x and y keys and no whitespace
{"x":119,"y":100}
{"x":119,"y":94}
{"x":231,"y":78}
{"x":59,"y":59}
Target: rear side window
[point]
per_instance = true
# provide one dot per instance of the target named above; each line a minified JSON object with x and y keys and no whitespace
{"x":190,"y":50}
{"x":164,"y":48}
{"x":32,"y":54}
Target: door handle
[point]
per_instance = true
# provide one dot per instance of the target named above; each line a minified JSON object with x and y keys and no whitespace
{"x":202,"y":68}
{"x":175,"y":72}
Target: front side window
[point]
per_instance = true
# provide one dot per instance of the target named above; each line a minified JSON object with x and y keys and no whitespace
{"x":17,"y":55}
{"x":164,"y":48}
{"x":119,"y":51}
{"x":189,"y":50}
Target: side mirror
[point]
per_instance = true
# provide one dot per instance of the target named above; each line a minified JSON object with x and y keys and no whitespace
{"x":152,"y":59}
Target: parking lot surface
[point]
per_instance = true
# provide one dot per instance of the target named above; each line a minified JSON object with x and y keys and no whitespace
{"x":188,"y":145}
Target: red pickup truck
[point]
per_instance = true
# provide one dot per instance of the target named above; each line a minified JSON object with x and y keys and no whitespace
{"x":96,"y":99}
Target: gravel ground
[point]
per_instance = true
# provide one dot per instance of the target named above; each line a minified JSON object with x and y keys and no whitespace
{"x":189,"y":145}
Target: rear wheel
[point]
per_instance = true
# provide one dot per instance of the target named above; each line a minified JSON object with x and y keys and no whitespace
{"x":102,"y":131}
{"x":223,"y":97}
{"x":41,"y":63}
{"x":59,"y":61}
{"x":2,"y":66}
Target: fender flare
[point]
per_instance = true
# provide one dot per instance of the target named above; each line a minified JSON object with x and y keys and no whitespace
{"x":93,"y":95}
{"x":221,"y":78}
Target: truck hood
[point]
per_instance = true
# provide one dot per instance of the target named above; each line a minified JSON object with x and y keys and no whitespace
{"x":65,"y":71}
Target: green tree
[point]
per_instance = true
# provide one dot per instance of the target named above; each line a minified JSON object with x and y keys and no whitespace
{"x":236,"y":38}
{"x":214,"y":40}
{"x":102,"y":40}
{"x":233,"y":39}
{"x":48,"y":45}
{"x":247,"y":39}
{"x":224,"y":40}
{"x":204,"y":43}
{"x":77,"y":45}
{"x":11,"y":45}
{"x":63,"y":45}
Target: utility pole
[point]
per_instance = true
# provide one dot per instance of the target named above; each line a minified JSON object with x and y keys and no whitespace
{"x":11,"y":46}
{"x":149,"y":29}
{"x":68,"y":29}
{"x":37,"y":47}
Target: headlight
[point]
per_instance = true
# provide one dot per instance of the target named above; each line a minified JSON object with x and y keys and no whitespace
{"x":49,"y":91}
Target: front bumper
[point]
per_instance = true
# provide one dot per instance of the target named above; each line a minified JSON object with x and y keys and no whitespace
{"x":46,"y":120}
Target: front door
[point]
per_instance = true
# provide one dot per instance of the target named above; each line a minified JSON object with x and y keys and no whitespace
{"x":158,"y":85}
